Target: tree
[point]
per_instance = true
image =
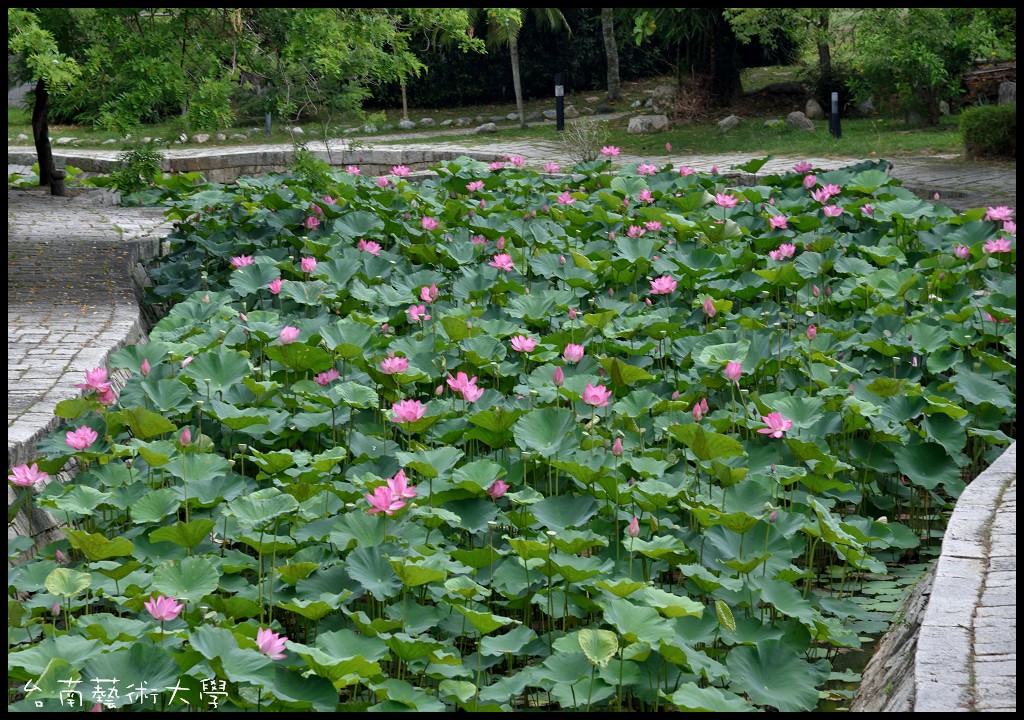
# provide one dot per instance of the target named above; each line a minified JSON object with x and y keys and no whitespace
{"x":38,"y":58}
{"x":503,"y":26}
{"x":611,"y":52}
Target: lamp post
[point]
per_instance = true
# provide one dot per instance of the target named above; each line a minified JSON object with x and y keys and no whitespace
{"x":559,"y":103}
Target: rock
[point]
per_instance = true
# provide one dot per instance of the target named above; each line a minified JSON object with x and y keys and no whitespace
{"x":663,"y":99}
{"x":239,"y":136}
{"x":588,"y":111}
{"x":22,"y":137}
{"x":446,"y":123}
{"x":496,"y":118}
{"x":727,"y":124}
{"x":1008,"y":93}
{"x":644,"y":124}
{"x":571,"y":111}
{"x":200,"y":138}
{"x":298,"y":131}
{"x":798,"y":120}
{"x":813,"y":110}
{"x":513,"y":116}
{"x":604,"y":108}
{"x":774,"y":123}
{"x":550,"y":114}
{"x":649,"y":103}
{"x":64,"y":141}
{"x":108,"y":141}
{"x":369,"y":128}
{"x":386,"y":126}
{"x":427,"y":122}
{"x":463,"y":122}
{"x":406,"y":125}
{"x":943,"y":107}
{"x":789,"y":87}
{"x":866,"y":107}
{"x":479,"y":119}
{"x":220,"y":137}
{"x":535,"y":116}
{"x":592,"y":98}
{"x":637,"y":103}
{"x":486,"y":128}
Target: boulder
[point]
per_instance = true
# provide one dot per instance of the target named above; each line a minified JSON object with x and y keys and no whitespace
{"x":644,"y":124}
{"x":800,"y":121}
{"x":108,"y":141}
{"x":479,"y":119}
{"x":446,"y":123}
{"x":221,"y":137}
{"x":535,"y":116}
{"x":1008,"y":93}
{"x":463,"y":122}
{"x":513,"y":116}
{"x":486,"y":128}
{"x":239,"y":136}
{"x":813,"y":110}
{"x":427,"y":122}
{"x":943,"y":107}
{"x":866,"y":107}
{"x":298,"y":131}
{"x":145,"y":139}
{"x":663,"y":99}
{"x":604,"y":108}
{"x":588,"y":111}
{"x":592,"y":98}
{"x":22,"y":137}
{"x":64,"y":141}
{"x":496,"y":118}
{"x":727,"y":124}
{"x":550,"y":114}
{"x":406,"y":125}
{"x":571,"y":111}
{"x":200,"y":138}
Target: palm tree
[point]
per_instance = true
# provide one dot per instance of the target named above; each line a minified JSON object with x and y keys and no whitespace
{"x":503,"y":26}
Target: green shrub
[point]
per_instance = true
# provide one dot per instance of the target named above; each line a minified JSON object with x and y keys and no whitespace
{"x":137,"y":168}
{"x":990,"y":131}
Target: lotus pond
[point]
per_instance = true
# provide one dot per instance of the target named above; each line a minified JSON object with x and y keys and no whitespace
{"x":626,"y":439}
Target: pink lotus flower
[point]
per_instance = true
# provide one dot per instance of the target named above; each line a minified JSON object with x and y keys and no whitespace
{"x":417,"y":313}
{"x":821,"y":195}
{"x":998,"y":245}
{"x":274,"y":286}
{"x":558,"y":378}
{"x":868,"y":210}
{"x":709,"y":307}
{"x":786,"y":250}
{"x":777,"y":425}
{"x":663,"y":285}
{"x":353,"y":170}
{"x":566,"y":198}
{"x":596,"y":395}
{"x":60,"y":557}
{"x":686,"y":170}
{"x":610,"y":151}
{"x":551,"y":167}
{"x":698,"y":412}
{"x":308,"y":264}
{"x":383,"y":500}
{"x":714,"y":169}
{"x":778,"y":222}
{"x":472,"y":393}
{"x":815,"y":291}
{"x":163,"y":608}
{"x":369,"y":246}
{"x":668,"y":147}
{"x":26,"y":475}
{"x":460,"y":381}
{"x":833,"y":189}
{"x":653,"y":226}
{"x":516,"y":160}
{"x":327,"y":377}
{"x":81,"y":438}
{"x":288,"y":335}
{"x":240,"y":261}
{"x":408,"y":411}
{"x":187,"y":360}
{"x":428,"y":223}
{"x":271,"y":643}
{"x":185,"y":438}
{"x":400,"y":487}
{"x":733,"y":371}
{"x":428,"y":293}
{"x":383,"y":182}
{"x":502,"y":262}
{"x":497,"y":489}
{"x":496,"y":165}
{"x":572,"y":313}
{"x":312,"y":222}
{"x":145,"y":368}
{"x":500,"y":242}
{"x":475,"y":185}
{"x":393,"y":364}
{"x":810,"y":181}
{"x":633,"y":529}
{"x":617,"y":447}
{"x":995,"y":214}
{"x":646,"y":169}
{"x":1010,"y":227}
{"x":478,"y":240}
{"x":832,"y":210}
{"x":812,"y":332}
{"x":400,"y":171}
{"x":802,"y":167}
{"x":95,"y":381}
{"x":725,"y":200}
{"x":635,"y":231}
{"x":573,"y":353}
{"x":523,"y":343}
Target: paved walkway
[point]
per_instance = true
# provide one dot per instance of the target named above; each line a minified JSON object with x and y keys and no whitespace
{"x":71,"y":303}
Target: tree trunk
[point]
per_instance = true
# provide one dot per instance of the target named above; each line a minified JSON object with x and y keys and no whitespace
{"x":41,"y":134}
{"x":517,"y":85}
{"x":824,"y":55}
{"x":611,"y":52}
{"x":405,"y":102}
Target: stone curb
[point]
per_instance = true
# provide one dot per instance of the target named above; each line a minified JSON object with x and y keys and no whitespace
{"x":945,"y":673}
